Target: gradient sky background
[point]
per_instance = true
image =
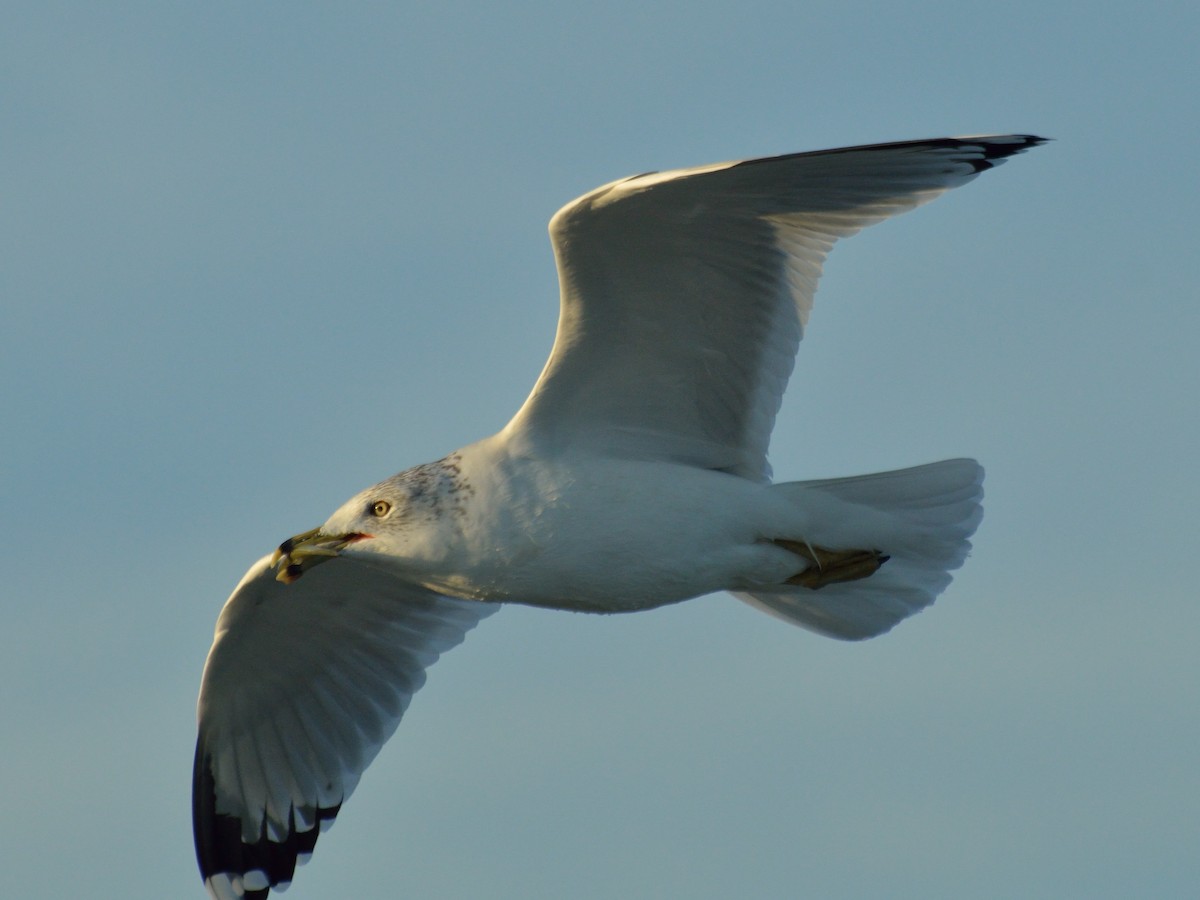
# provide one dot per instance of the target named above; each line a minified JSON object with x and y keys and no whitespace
{"x":257,"y":256}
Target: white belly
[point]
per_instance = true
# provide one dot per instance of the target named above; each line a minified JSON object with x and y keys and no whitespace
{"x":610,"y":535}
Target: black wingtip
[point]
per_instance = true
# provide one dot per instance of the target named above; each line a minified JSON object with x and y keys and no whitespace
{"x":981,"y":152}
{"x":220,"y":849}
{"x":218,"y":837}
{"x":997,"y":148}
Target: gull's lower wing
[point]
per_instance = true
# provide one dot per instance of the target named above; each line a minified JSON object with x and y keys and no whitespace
{"x":685,"y":293}
{"x":303,"y":685}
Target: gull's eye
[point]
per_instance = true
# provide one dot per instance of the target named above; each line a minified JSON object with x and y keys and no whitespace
{"x":380,"y":508}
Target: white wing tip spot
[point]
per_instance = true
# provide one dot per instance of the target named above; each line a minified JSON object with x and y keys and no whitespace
{"x":224,"y":886}
{"x":255,"y":880}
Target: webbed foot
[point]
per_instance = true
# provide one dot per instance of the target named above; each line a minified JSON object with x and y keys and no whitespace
{"x":831,"y":566}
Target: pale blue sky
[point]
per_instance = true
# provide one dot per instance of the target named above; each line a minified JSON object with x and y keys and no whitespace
{"x":260,"y":255}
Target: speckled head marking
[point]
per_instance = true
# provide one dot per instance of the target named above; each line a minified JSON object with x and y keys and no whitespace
{"x":438,"y":487}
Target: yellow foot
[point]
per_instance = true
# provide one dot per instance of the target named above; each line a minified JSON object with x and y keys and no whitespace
{"x":831,"y":566}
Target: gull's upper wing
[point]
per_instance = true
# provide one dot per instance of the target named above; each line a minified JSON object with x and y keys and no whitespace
{"x":685,"y":293}
{"x":303,"y":685}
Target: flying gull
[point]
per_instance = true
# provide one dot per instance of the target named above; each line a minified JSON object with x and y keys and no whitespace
{"x":635,"y":475}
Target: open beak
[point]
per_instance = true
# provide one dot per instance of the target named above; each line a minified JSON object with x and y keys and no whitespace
{"x":298,"y":554}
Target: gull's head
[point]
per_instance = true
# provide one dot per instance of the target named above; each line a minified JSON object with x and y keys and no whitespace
{"x":406,"y":520}
{"x":367,"y":523}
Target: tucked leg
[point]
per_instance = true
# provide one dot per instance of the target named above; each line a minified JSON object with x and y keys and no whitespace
{"x":831,"y":566}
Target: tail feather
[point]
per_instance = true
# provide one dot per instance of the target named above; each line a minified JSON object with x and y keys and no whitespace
{"x":921,"y":517}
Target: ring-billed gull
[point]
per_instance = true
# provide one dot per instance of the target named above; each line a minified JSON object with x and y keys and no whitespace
{"x":634,"y":476}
